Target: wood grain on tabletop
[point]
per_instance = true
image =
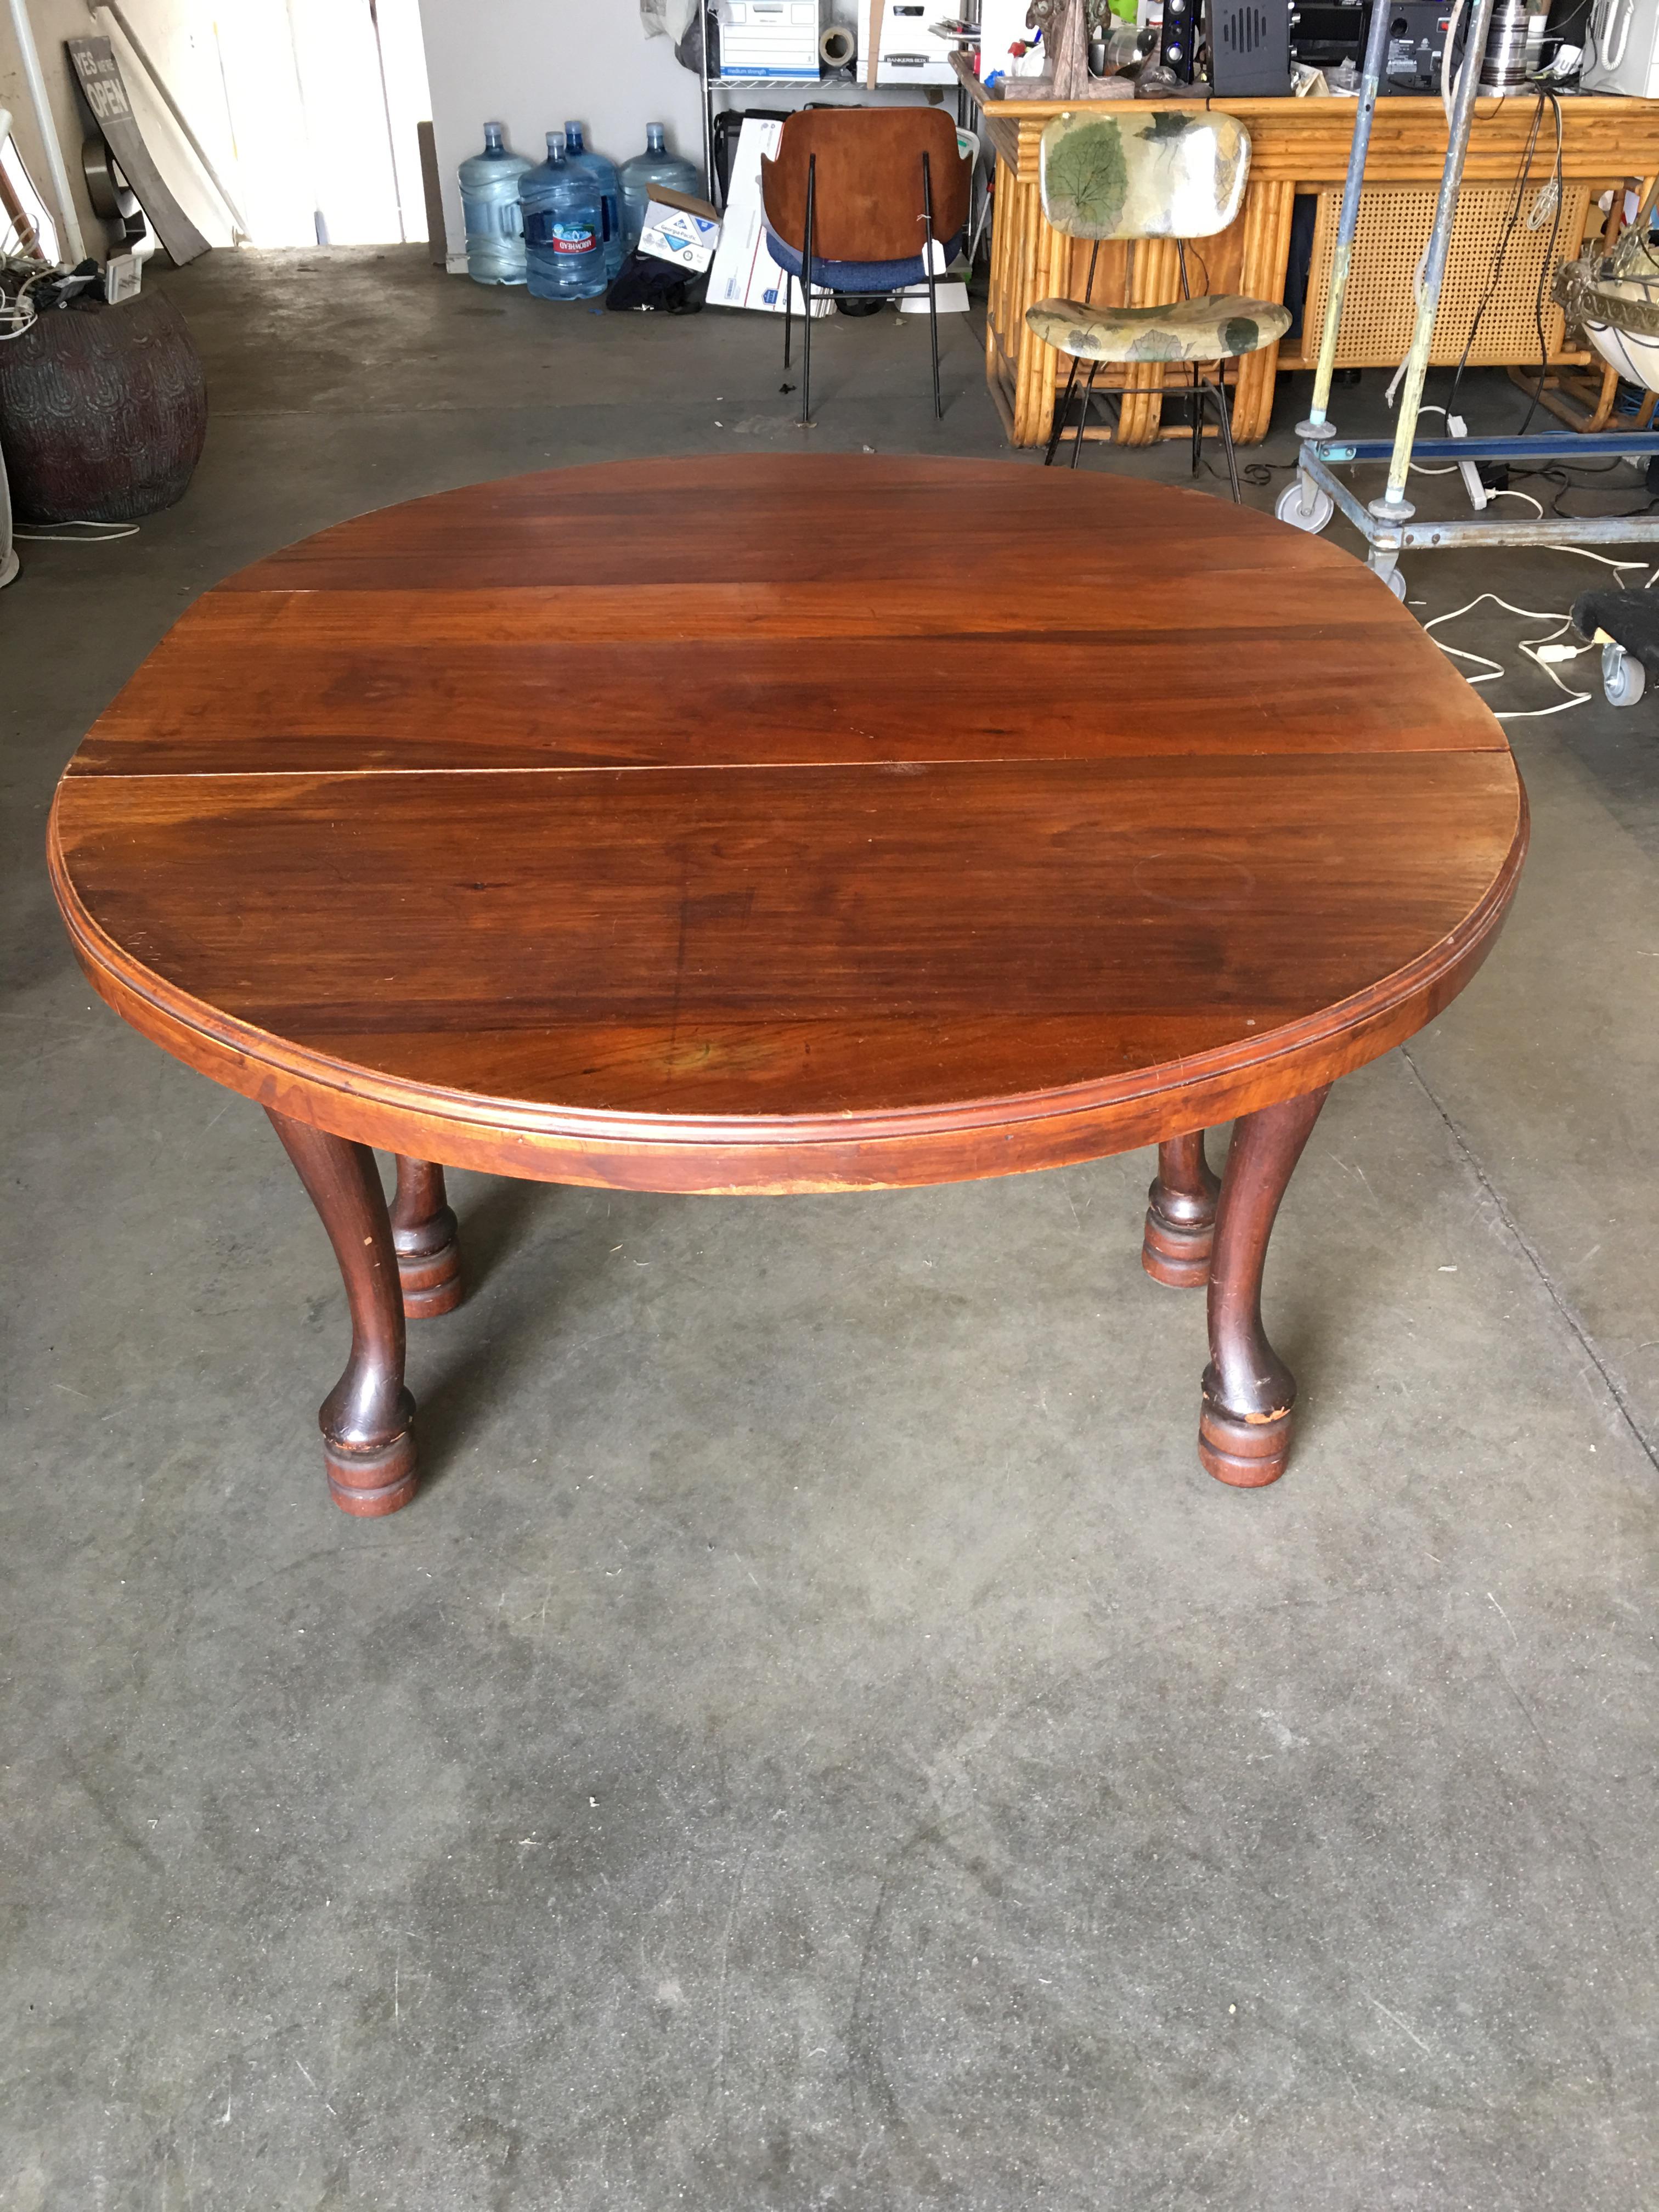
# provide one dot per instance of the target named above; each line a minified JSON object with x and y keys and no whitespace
{"x":1022,"y":782}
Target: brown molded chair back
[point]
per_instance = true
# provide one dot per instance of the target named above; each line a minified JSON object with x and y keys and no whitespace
{"x":847,"y":204}
{"x":867,"y":202}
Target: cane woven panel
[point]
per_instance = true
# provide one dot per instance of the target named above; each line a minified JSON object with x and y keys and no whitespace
{"x":1395,"y":221}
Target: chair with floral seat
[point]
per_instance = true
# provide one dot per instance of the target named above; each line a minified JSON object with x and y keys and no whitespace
{"x":1153,"y":173}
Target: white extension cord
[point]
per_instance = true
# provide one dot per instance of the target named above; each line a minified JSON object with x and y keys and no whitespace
{"x":17,"y":314}
{"x":52,"y":534}
{"x":1546,"y":652}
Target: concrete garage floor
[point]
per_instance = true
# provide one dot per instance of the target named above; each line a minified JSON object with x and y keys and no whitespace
{"x":818,"y":1739}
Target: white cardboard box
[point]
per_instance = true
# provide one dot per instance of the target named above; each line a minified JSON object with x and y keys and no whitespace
{"x":901,"y":46}
{"x":745,"y":273}
{"x":680,"y":229}
{"x":950,"y":297}
{"x":762,"y":39}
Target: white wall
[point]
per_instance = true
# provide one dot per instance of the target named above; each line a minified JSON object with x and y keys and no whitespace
{"x":54,"y":21}
{"x":231,"y":67}
{"x":177,"y":36}
{"x":532,"y":64}
{"x":285,"y":96}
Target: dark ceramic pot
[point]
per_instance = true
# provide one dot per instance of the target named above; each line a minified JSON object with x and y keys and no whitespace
{"x":103,"y":411}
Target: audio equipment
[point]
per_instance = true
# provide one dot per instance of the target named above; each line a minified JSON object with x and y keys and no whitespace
{"x":1324,"y":33}
{"x":1249,"y":48}
{"x":1416,"y":38}
{"x":1178,"y":40}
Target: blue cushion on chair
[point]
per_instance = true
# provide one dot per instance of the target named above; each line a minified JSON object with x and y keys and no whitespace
{"x":857,"y":276}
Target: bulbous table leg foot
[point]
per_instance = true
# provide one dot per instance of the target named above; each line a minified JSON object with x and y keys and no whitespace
{"x":423,"y":1231}
{"x":371,"y":1483}
{"x":367,"y":1448}
{"x":1181,"y":1215}
{"x":1246,"y":1454}
{"x":1244,"y":1423}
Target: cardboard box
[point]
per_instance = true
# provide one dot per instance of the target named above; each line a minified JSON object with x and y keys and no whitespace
{"x":763,"y":38}
{"x":745,"y":274}
{"x":950,"y":297}
{"x":680,"y":229}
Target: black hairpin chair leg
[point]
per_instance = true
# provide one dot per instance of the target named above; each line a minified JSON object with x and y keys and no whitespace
{"x":933,"y":291}
{"x":806,"y":296}
{"x":1057,"y":428}
{"x":1198,"y":420}
{"x":1224,"y":416}
{"x":1082,"y":414}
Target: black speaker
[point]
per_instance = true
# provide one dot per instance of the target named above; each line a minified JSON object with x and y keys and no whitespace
{"x":1177,"y":45}
{"x":1416,"y":37}
{"x":1249,"y":48}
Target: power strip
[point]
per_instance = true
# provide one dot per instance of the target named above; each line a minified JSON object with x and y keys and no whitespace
{"x":1467,"y":470}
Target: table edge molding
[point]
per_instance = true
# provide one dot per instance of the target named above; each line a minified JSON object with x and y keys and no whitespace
{"x":875,"y":1148}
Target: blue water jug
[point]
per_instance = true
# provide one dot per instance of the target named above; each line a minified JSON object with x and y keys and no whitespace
{"x":604,"y":174}
{"x":563,"y":228}
{"x":489,"y":202}
{"x":656,"y":166}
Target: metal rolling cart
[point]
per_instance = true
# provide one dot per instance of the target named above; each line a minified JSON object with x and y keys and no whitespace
{"x":1387,"y":524}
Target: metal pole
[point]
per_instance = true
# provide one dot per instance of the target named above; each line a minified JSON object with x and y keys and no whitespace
{"x":1375,"y":47}
{"x":928,"y":264}
{"x":714,"y":198}
{"x":390,"y":134}
{"x":806,"y":294}
{"x":1394,"y":505}
{"x":37,"y":85}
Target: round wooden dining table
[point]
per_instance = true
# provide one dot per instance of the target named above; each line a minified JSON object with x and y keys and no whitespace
{"x":781,"y":824}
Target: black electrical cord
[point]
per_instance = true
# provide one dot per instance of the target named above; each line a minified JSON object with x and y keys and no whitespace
{"x":1183,"y":246}
{"x":1556,"y":473}
{"x":1582,"y":477}
{"x":1545,"y":268}
{"x":1602,"y":513}
{"x":1502,"y":249}
{"x":1259,"y":474}
{"x":1564,"y":483}
{"x":1564,"y":26}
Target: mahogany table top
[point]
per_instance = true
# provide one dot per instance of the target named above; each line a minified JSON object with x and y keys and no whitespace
{"x":788,"y":823}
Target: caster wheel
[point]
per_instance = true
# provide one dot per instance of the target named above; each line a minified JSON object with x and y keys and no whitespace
{"x":1289,"y":508}
{"x":1624,"y":680}
{"x":1394,"y":580}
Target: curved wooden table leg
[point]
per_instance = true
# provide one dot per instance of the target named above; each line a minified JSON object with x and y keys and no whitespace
{"x":423,"y":1233}
{"x":1181,"y":1215}
{"x":1244,"y":1426}
{"x":365,"y":1419}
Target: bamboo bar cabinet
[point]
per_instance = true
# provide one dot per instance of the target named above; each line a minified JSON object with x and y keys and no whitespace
{"x":1300,"y":146}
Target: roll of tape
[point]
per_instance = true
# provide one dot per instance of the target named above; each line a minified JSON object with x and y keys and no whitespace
{"x":837,"y":47}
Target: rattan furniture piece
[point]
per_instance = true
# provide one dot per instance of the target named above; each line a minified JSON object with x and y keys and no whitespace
{"x":1300,"y":147}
